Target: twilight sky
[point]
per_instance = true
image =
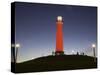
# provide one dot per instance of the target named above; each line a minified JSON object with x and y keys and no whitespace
{"x":36,"y":29}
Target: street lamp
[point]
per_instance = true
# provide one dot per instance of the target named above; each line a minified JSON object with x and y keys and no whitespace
{"x":13,"y":52}
{"x":93,"y":48}
{"x":15,"y":48}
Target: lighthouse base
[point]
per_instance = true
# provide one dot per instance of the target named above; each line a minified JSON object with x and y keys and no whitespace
{"x":59,"y":53}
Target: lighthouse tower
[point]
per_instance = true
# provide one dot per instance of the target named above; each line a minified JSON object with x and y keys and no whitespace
{"x":59,"y":36}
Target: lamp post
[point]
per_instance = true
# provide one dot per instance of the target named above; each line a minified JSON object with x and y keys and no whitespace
{"x":15,"y":48}
{"x":13,"y":53}
{"x":93,"y":48}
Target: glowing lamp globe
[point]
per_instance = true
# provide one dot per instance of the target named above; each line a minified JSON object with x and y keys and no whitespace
{"x":93,"y":45}
{"x":17,"y":45}
{"x":59,"y":18}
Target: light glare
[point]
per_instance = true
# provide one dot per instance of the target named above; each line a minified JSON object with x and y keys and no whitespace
{"x":17,"y":45}
{"x":93,"y":45}
{"x":59,"y":18}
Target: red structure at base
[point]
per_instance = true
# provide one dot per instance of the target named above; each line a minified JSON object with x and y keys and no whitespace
{"x":59,"y":36}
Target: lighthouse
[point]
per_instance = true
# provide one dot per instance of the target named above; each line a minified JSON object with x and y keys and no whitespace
{"x":59,"y":36}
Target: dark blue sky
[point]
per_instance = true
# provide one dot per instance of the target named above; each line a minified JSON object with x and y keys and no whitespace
{"x":36,"y":28}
